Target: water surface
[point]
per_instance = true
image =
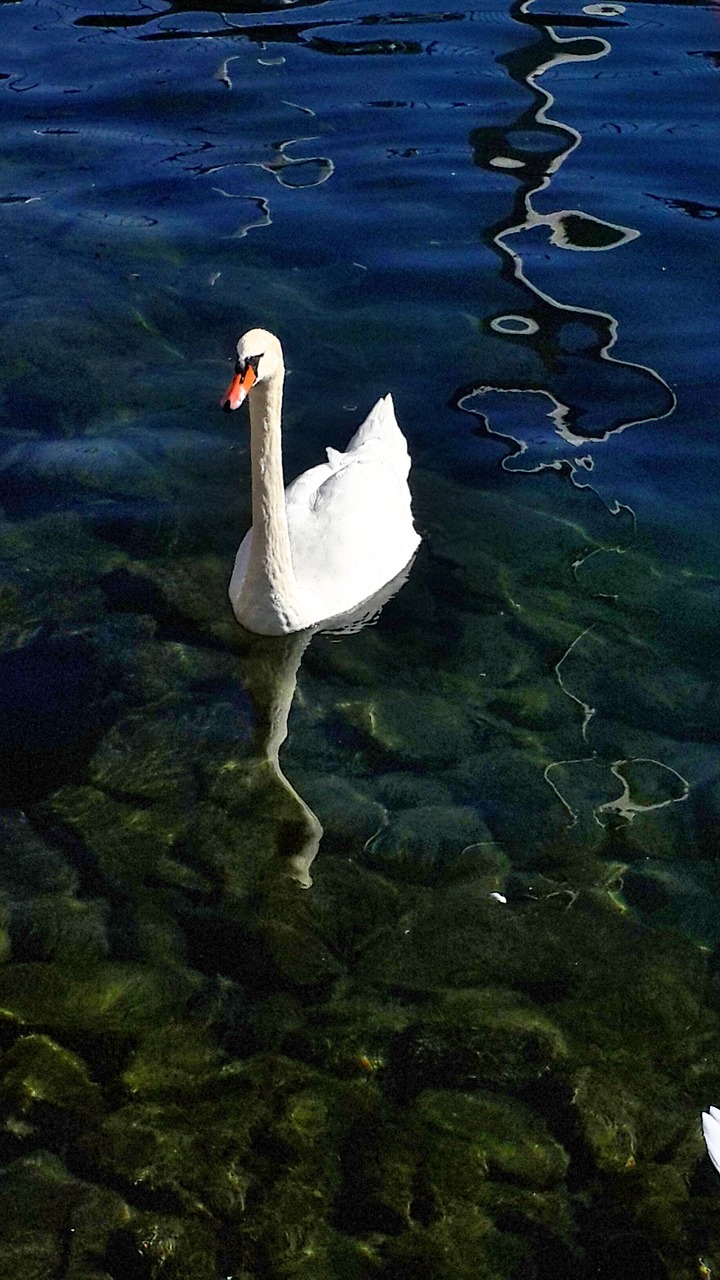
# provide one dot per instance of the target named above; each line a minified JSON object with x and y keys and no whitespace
{"x":429,"y":990}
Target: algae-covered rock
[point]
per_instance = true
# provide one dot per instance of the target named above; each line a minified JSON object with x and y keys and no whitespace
{"x":498,"y":1136}
{"x":193,"y":588}
{"x":37,"y":1070}
{"x":706,"y":813}
{"x":173,"y":1058}
{"x":403,"y":789}
{"x":656,"y":1194}
{"x":60,"y":546}
{"x":631,"y":990}
{"x":196,"y":1151}
{"x":476,"y":1037}
{"x":663,"y":833}
{"x":521,"y":808}
{"x":176,"y":1246}
{"x":546,"y":1216}
{"x":132,"y":844}
{"x":681,"y":893}
{"x":393,"y":959}
{"x":71,"y":398}
{"x":381,"y":1162}
{"x":224,"y":849}
{"x":45,"y":739}
{"x":103,"y":999}
{"x":421,"y":729}
{"x":349,"y":817}
{"x":351,"y":904}
{"x":29,"y":866}
{"x":350,"y":1037}
{"x":144,"y":756}
{"x":462,"y":1245}
{"x":418,"y":844}
{"x":632,"y":1112}
{"x":459,"y":936}
{"x":60,"y":927}
{"x":610,"y":1118}
{"x":4,"y":931}
{"x":54,"y":1223}
{"x":252,"y":1144}
{"x":527,"y":706}
{"x":298,"y":956}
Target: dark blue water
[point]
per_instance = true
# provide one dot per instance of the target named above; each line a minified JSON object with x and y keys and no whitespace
{"x":478,"y":1045}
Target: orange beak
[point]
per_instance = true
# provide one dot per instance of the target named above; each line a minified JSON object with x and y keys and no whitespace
{"x":238,"y":389}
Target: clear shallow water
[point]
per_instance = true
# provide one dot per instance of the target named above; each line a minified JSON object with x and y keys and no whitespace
{"x":207,"y":1070}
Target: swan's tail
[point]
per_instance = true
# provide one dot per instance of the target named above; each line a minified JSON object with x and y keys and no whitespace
{"x":380,"y":430}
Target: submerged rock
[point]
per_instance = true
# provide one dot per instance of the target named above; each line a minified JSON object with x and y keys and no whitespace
{"x":104,"y":999}
{"x":349,"y":817}
{"x":28,"y":865}
{"x":351,"y":904}
{"x":249,"y":1144}
{"x":405,"y":790}
{"x":54,"y":1223}
{"x":146,"y":757}
{"x":486,"y":1135}
{"x":421,"y":729}
{"x":489,"y":1037}
{"x":170,"y":1244}
{"x":62,"y":928}
{"x":37,"y":1072}
{"x":423,"y":843}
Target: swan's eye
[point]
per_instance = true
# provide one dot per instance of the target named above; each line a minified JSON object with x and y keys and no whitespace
{"x":251,"y":362}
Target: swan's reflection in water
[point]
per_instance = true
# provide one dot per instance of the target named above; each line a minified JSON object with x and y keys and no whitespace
{"x":269,"y":667}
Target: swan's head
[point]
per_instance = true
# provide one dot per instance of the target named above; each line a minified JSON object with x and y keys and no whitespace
{"x":259,"y":357}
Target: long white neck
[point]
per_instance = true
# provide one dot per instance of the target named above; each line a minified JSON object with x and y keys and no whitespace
{"x":269,"y":591}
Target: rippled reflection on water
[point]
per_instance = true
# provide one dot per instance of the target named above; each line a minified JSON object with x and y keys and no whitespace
{"x":479,"y":1043}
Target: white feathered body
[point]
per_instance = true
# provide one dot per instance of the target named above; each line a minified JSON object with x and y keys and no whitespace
{"x":350,"y":527}
{"x":711,"y":1133}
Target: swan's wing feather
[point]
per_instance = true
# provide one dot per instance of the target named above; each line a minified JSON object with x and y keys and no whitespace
{"x":711,"y":1133}
{"x":356,"y":532}
{"x":378,"y":439}
{"x":303,"y":489}
{"x":380,"y":429}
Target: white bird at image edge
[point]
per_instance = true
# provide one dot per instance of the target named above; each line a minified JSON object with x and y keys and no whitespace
{"x":711,"y":1133}
{"x":339,"y":533}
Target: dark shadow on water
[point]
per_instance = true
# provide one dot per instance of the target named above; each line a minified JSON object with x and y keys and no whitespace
{"x":56,"y":702}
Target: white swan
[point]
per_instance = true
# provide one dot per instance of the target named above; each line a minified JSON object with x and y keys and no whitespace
{"x":339,"y":533}
{"x":711,"y":1134}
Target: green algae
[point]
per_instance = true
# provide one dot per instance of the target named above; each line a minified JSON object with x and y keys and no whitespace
{"x":412,"y":730}
{"x":174,"y":1245}
{"x":352,"y":903}
{"x":127,"y":841}
{"x":350,"y":816}
{"x":463,"y":1245}
{"x":37,"y":1071}
{"x":418,"y":843}
{"x":489,"y":1036}
{"x":214,"y":1153}
{"x":136,"y":758}
{"x":5,"y":944}
{"x":61,"y":928}
{"x":105,"y":998}
{"x":53,"y":1222}
{"x":505,"y":1138}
